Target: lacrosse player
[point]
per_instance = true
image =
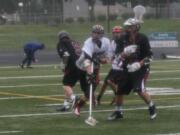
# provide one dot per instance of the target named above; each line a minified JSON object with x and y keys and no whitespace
{"x":94,"y":52}
{"x":138,"y":67}
{"x":113,"y":76}
{"x":69,"y":51}
{"x":29,"y":50}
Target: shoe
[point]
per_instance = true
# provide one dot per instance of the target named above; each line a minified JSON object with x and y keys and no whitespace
{"x":62,"y":108}
{"x":152,"y":112}
{"x":115,"y":115}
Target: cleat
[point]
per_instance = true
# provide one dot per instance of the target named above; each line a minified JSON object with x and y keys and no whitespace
{"x":62,"y":108}
{"x":115,"y":115}
{"x":152,"y":112}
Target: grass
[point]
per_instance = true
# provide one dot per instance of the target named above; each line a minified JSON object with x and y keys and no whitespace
{"x":14,"y":36}
{"x":134,"y":122}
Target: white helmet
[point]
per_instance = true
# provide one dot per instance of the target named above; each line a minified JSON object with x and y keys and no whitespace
{"x":131,"y":21}
{"x":98,"y":28}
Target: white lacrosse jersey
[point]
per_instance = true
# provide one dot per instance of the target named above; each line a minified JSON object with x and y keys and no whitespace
{"x":91,"y":49}
{"x":116,"y":60}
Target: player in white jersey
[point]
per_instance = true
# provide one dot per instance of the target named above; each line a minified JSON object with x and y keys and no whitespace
{"x":113,"y":76}
{"x":94,"y":51}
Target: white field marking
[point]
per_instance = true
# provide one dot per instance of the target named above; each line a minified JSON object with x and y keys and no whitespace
{"x":31,"y":77}
{"x":52,"y":65}
{"x":151,"y":91}
{"x":60,"y":76}
{"x":169,"y":134}
{"x":60,"y":84}
{"x":163,"y":91}
{"x":95,"y":111}
{"x":164,"y":71}
{"x":10,"y":67}
{"x":163,"y":79}
{"x":32,"y":85}
{"x":10,"y":132}
{"x":30,"y":96}
{"x":157,"y":91}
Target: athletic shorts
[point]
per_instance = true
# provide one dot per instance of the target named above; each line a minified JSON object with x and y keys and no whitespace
{"x":71,"y":77}
{"x":114,"y":76}
{"x":134,"y":81}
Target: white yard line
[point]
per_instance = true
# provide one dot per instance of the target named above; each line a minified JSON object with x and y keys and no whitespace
{"x":169,"y":134}
{"x":95,"y":111}
{"x":60,"y":76}
{"x":10,"y":67}
{"x":52,"y":65}
{"x":10,"y":132}
{"x":31,"y":85}
{"x":56,"y":84}
{"x":31,"y":77}
{"x":163,"y":79}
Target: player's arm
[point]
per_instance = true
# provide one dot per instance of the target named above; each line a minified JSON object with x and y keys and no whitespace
{"x":63,"y":55}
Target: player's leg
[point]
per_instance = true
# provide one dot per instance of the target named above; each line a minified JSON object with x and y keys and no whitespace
{"x":107,"y":82}
{"x":69,"y":80}
{"x":30,"y":57}
{"x":139,"y":79}
{"x":114,"y":88}
{"x":124,"y":87}
{"x":25,"y":59}
{"x":100,"y":94}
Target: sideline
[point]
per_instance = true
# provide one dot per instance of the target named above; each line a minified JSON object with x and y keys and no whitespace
{"x":82,"y":112}
{"x":10,"y":132}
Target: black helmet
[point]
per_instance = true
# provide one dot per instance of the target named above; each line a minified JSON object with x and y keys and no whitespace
{"x":63,"y":34}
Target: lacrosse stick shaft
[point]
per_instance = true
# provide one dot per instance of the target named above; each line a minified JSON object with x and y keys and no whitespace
{"x":90,"y":94}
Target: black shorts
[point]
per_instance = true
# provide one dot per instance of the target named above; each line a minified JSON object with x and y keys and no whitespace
{"x":134,"y":81}
{"x":71,"y":76}
{"x":114,"y":76}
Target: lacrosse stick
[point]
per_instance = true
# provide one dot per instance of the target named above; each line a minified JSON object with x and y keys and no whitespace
{"x":90,"y":120}
{"x":139,"y":12}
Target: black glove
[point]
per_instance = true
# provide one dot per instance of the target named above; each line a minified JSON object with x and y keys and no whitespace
{"x":91,"y":78}
{"x":147,"y":61}
{"x":98,"y":42}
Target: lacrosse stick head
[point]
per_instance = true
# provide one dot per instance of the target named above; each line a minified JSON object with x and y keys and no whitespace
{"x":91,"y":121}
{"x":139,"y":12}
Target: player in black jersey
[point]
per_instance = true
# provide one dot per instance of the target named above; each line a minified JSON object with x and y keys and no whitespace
{"x":137,"y":66}
{"x":69,"y":51}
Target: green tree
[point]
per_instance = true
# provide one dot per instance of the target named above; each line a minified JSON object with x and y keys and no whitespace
{"x":8,"y":6}
{"x":91,"y":4}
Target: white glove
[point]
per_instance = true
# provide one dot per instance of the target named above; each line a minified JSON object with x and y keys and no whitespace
{"x":130,"y":50}
{"x":133,"y":67}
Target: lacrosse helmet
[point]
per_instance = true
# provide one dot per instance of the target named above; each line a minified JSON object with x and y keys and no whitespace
{"x":132,"y":22}
{"x":98,"y":29}
{"x":117,"y":29}
{"x":63,"y":34}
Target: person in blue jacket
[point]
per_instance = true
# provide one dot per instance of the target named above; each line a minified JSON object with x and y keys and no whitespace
{"x":29,"y":49}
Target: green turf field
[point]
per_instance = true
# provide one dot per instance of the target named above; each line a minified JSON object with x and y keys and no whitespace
{"x":28,"y":98}
{"x":12,"y":37}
